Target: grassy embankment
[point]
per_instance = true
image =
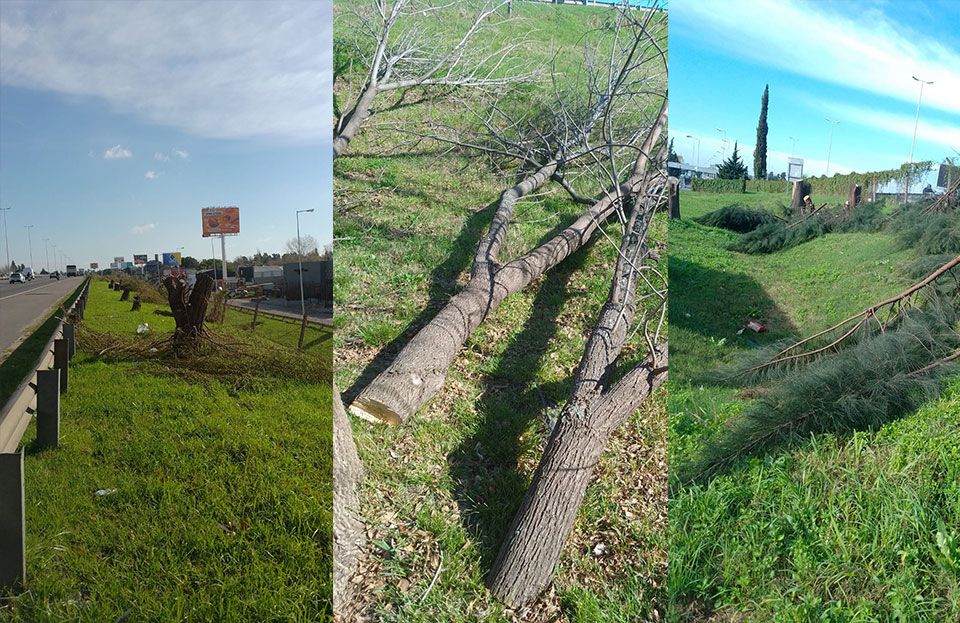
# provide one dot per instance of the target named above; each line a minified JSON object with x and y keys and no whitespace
{"x":449,"y":480}
{"x":223,"y":490}
{"x":862,"y":527}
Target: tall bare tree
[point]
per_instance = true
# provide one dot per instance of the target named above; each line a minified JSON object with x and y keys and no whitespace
{"x":403,"y":46}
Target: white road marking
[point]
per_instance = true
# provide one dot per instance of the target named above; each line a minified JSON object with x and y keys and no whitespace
{"x":3,"y":298}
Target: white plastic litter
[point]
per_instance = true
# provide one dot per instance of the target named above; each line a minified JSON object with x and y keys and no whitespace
{"x":103,"y":492}
{"x":143,"y":328}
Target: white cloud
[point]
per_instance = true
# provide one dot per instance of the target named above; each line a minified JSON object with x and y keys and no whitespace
{"x":869,"y":52}
{"x":212,"y":69}
{"x":142,"y":229}
{"x":117,"y":152}
{"x":182,"y":154}
{"x":936,"y":132}
{"x":160,"y":156}
{"x":152,"y":175}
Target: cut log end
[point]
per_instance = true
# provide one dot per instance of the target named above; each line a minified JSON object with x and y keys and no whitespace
{"x":374,"y":411}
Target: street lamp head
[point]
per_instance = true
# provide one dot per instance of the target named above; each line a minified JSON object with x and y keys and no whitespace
{"x":310,"y":210}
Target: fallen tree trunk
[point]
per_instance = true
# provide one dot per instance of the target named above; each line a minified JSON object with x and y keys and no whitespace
{"x":420,"y":369}
{"x":348,"y":529}
{"x":532,"y":547}
{"x":536,"y":536}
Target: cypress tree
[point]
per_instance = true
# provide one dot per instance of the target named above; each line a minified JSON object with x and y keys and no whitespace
{"x":760,"y":152}
{"x":732,"y":168}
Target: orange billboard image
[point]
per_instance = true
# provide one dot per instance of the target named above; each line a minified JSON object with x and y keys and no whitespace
{"x":221,"y":221}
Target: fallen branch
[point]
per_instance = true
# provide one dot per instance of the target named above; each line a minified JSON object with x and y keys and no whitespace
{"x":349,"y":534}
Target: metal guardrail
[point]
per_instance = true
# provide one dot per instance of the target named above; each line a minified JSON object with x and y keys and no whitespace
{"x":38,"y":395}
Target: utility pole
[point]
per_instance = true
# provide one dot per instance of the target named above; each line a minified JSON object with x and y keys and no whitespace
{"x":29,"y":243}
{"x":724,"y":142}
{"x":6,"y":240}
{"x":916,"y":122}
{"x":830,"y":145}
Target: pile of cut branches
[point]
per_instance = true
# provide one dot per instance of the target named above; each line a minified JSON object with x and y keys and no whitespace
{"x":738,"y":218}
{"x":778,"y":235}
{"x":872,"y":367}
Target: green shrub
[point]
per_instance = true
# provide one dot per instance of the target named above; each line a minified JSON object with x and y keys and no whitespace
{"x":768,"y":186}
{"x":719,"y":186}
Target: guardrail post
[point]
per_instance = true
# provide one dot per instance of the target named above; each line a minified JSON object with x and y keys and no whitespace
{"x":48,"y":408}
{"x":70,"y":335}
{"x":12,"y":552}
{"x":61,"y":362}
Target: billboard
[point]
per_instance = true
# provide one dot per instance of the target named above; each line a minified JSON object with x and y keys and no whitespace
{"x":172,"y":259}
{"x":140,"y":260}
{"x":118,"y":260}
{"x":218,"y":221}
{"x":94,"y":266}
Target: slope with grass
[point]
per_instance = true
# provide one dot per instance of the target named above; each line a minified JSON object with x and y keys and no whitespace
{"x":441,"y":488}
{"x":218,"y":490}
{"x":859,"y":527}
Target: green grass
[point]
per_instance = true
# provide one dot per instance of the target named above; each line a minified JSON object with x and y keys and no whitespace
{"x":841,"y":528}
{"x":24,"y":357}
{"x":223,"y":500}
{"x":451,"y":478}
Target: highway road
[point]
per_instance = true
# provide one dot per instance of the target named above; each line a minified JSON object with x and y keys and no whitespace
{"x":23,"y":305}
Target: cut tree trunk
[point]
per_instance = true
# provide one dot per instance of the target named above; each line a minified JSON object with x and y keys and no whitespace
{"x":126,"y":294}
{"x":536,"y":536}
{"x":189,"y":308}
{"x":136,"y":303}
{"x":420,"y":369}
{"x":531,"y":549}
{"x":853,"y":197}
{"x":348,"y":530}
{"x":674,"y":198}
{"x":354,"y":120}
{"x":796,"y":199}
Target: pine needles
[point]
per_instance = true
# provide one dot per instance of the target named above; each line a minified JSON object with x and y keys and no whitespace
{"x":874,"y":380}
{"x":779,"y":235}
{"x":737,"y":218}
{"x":858,"y":374}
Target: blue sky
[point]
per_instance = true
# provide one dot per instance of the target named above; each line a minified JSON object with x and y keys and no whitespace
{"x":848,"y":60}
{"x":119,"y":121}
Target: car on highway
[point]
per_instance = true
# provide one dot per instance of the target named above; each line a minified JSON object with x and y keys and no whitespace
{"x":55,"y":275}
{"x":17,"y":278}
{"x":28,"y":273}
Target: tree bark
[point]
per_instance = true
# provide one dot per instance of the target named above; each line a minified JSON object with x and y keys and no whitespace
{"x":796,"y":199}
{"x":355,"y":119}
{"x":189,"y":308}
{"x":674,"y":198}
{"x":349,"y":535}
{"x":536,"y":536}
{"x":420,"y":369}
{"x":126,"y":294}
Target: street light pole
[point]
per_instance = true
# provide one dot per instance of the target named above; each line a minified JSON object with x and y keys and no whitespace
{"x":690,"y":136}
{"x":724,"y":141}
{"x":303,"y":304}
{"x":46,"y":253}
{"x":793,"y":145}
{"x":6,"y":240}
{"x":30,"y":244}
{"x":916,"y":122}
{"x":830,"y":145}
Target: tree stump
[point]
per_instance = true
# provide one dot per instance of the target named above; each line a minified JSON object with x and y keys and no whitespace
{"x":189,"y":308}
{"x":674,"y":198}
{"x":126,"y":294}
{"x":136,"y":303}
{"x":853,"y":197}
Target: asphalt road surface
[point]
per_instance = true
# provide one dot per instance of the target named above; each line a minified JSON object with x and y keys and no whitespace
{"x":23,"y":305}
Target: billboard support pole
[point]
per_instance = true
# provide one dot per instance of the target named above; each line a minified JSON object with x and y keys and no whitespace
{"x":223,"y":254}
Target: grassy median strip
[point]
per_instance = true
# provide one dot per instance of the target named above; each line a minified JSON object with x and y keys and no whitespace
{"x":179,"y":497}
